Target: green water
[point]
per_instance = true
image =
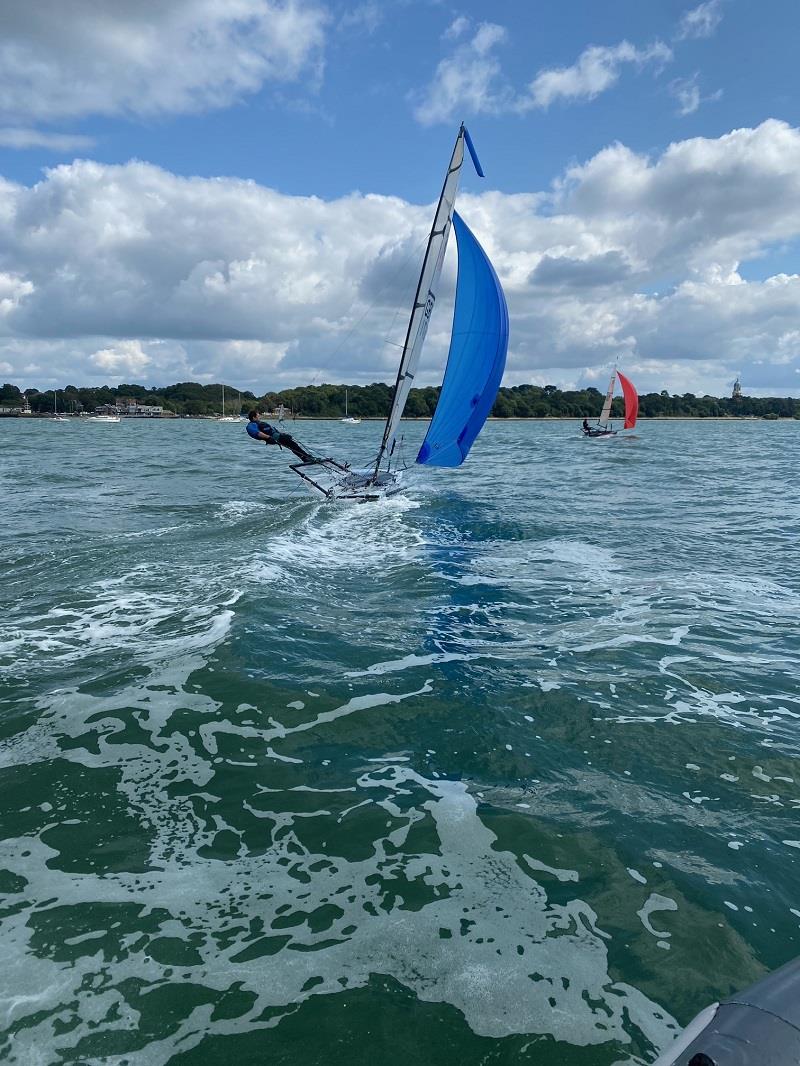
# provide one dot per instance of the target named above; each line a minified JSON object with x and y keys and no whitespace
{"x":503,"y":770}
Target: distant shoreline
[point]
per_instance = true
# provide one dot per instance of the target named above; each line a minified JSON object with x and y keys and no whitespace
{"x":411,"y":418}
{"x":326,"y":402}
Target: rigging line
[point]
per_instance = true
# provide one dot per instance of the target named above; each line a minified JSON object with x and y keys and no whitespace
{"x":371,"y":307}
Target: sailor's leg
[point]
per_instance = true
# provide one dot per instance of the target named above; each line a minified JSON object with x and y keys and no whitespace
{"x":288,"y":441}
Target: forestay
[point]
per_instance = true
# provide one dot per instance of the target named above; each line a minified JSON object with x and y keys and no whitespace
{"x":477,"y":356}
{"x":425,"y":296}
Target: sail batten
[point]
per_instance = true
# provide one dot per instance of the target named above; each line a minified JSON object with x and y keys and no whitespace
{"x":476,"y":360}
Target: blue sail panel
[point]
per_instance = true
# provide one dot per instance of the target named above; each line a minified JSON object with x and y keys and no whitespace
{"x":476,"y":360}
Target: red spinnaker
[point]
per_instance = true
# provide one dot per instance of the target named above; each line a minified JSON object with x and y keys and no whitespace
{"x":631,"y":401}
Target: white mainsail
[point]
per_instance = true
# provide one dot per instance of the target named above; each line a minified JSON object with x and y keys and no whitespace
{"x":424,"y":298}
{"x":605,"y":414}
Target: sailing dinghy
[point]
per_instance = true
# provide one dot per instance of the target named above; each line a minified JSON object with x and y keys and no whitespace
{"x":604,"y":428}
{"x":475,"y":362}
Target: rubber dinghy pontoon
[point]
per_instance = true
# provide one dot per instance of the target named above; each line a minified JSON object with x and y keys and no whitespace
{"x":757,"y":1027}
{"x":475,"y":362}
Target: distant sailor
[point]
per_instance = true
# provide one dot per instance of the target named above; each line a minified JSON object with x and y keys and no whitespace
{"x":586,"y":427}
{"x":259,"y":430}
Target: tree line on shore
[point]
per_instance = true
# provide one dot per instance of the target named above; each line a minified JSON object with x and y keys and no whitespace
{"x":372,"y":401}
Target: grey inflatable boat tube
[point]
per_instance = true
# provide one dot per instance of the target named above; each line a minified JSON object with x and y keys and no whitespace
{"x":757,"y":1027}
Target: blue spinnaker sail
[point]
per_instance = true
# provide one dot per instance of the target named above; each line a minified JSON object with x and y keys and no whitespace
{"x":476,"y":360}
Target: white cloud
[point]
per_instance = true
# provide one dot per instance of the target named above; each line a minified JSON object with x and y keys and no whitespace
{"x":14,"y":137}
{"x":469,"y":79}
{"x":687,"y":92}
{"x":364,"y":18}
{"x":145,"y":57}
{"x":13,"y":288}
{"x":457,"y":28}
{"x":701,"y":21}
{"x":125,"y":357}
{"x":596,"y":69}
{"x":132,"y":272}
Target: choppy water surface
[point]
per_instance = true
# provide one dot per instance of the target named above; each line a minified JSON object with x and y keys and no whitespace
{"x":502,"y":770}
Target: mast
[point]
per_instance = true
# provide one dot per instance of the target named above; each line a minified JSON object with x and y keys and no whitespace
{"x":425,"y":295}
{"x":223,"y":399}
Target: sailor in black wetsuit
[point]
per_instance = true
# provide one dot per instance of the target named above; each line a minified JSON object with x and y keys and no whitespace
{"x":586,"y":427}
{"x":264,"y":431}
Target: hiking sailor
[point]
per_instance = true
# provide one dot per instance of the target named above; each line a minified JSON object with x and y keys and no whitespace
{"x":264,"y":431}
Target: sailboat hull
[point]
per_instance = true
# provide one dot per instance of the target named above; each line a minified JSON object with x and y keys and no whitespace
{"x":335,"y":481}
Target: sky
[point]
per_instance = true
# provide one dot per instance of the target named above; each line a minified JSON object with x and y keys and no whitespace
{"x":240,"y":190}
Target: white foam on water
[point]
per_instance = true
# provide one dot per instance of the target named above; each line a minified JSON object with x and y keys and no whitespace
{"x":125,"y":614}
{"x":521,"y":563}
{"x":554,"y":871}
{"x":209,"y":731}
{"x":159,"y":531}
{"x":625,"y":639}
{"x":234,"y":510}
{"x":654,"y":903}
{"x":322,"y":559}
{"x":502,"y":928}
{"x":746,"y":591}
{"x":408,"y":662}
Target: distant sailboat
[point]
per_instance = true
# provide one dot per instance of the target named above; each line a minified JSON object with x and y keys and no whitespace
{"x":224,"y":417}
{"x":350,"y":420}
{"x":475,"y":363}
{"x":604,"y":428}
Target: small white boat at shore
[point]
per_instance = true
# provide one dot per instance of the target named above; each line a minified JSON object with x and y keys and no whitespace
{"x":101,"y":418}
{"x":56,"y":416}
{"x":349,"y":418}
{"x":223,"y":417}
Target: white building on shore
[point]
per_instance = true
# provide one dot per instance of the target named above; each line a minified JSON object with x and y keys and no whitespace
{"x":129,"y":407}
